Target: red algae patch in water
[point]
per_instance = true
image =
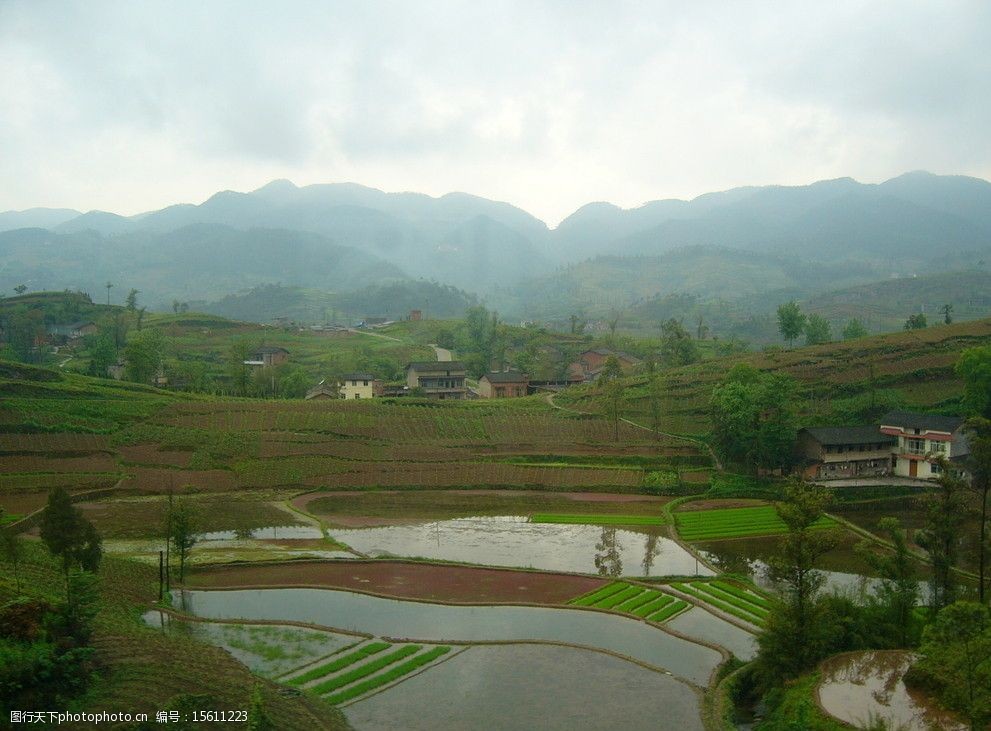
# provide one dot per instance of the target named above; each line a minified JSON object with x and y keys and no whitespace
{"x":861,"y":686}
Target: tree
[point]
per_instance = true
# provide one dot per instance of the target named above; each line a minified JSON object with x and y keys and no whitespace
{"x":258,"y":718}
{"x":25,"y":329}
{"x":956,"y":659}
{"x":69,"y":536}
{"x":791,"y":321}
{"x":614,"y":390}
{"x":916,"y":321}
{"x":753,"y":418}
{"x":12,"y":550}
{"x":132,"y":300}
{"x":141,"y":316}
{"x":945,"y":509}
{"x":236,"y":369}
{"x":175,"y":306}
{"x":613,"y":323}
{"x":181,"y":523}
{"x":797,"y":635}
{"x":102,"y":353}
{"x":701,"y":329}
{"x":974,"y":366}
{"x":143,"y":355}
{"x":854,"y":329}
{"x":817,"y":330}
{"x":21,"y":289}
{"x":978,"y":431}
{"x":898,"y":590}
{"x":677,"y":346}
{"x":611,"y":369}
{"x":947,"y":311}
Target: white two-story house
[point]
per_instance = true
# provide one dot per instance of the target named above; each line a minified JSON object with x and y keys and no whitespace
{"x":922,"y":438}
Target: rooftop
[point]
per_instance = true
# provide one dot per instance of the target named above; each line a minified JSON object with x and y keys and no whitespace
{"x":928,"y":422}
{"x":436,"y":365}
{"x":357,"y":377}
{"x":835,"y":435}
{"x":506,"y":377}
{"x":268,"y":349}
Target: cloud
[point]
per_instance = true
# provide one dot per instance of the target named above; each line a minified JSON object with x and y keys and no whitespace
{"x":131,"y":106}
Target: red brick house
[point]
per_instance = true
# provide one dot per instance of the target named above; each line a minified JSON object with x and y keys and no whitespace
{"x":503,"y":384}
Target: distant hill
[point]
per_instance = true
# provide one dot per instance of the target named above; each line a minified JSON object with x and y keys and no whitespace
{"x":36,"y":218}
{"x":194,"y":262}
{"x":393,"y":300}
{"x":885,"y":305}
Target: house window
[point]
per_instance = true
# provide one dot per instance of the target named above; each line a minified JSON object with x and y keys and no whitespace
{"x":915,"y":446}
{"x":936,"y":468}
{"x":937,"y":447}
{"x":366,"y":383}
{"x":357,"y":395}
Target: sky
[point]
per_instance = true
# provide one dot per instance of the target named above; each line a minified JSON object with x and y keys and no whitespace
{"x":546,"y":104}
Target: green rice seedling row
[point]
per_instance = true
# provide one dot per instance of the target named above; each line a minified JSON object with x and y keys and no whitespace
{"x":669,"y":611}
{"x":744,"y":602}
{"x":388,"y":676}
{"x":747,"y":616}
{"x":619,"y":597}
{"x":340,"y":663}
{"x":638,"y":601}
{"x":748,"y":594}
{"x":652,"y":606}
{"x":734,"y":523}
{"x":586,"y":600}
{"x":598,"y":519}
{"x":363,"y":671}
{"x":707,"y":591}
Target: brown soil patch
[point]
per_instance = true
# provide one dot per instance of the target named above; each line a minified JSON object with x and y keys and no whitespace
{"x":407,"y":580}
{"x":596,"y":497}
{"x":718,"y":504}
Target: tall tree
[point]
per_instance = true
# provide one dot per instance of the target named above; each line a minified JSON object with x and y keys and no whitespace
{"x":916,"y":321}
{"x":143,"y":355}
{"x":21,"y":289}
{"x":182,"y":526}
{"x":854,"y":329}
{"x":69,"y":536}
{"x":817,"y":330}
{"x":677,"y":346}
{"x":945,"y":509}
{"x":796,"y":636}
{"x":12,"y":550}
{"x":132,"y":300}
{"x":897,"y":592}
{"x":947,"y":311}
{"x":791,"y":321}
{"x":978,"y":431}
{"x":974,"y":366}
{"x":753,"y":418}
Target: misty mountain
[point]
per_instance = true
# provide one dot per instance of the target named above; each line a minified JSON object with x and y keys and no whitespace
{"x":197,"y":261}
{"x":36,"y":218}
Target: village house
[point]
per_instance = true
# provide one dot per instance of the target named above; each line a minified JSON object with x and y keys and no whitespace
{"x":591,"y":362}
{"x":834,"y":452}
{"x":357,"y":385}
{"x":921,"y":439}
{"x":437,"y":379}
{"x":503,"y":384}
{"x":74,"y":330}
{"x":267,"y":356}
{"x":323,"y":391}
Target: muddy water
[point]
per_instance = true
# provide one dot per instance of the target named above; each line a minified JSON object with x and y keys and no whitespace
{"x":859,"y":687}
{"x":514,"y":541}
{"x":435,"y":622}
{"x":531,"y":687}
{"x":275,"y":532}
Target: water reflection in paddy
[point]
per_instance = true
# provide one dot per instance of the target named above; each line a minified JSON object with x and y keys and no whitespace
{"x":860,"y":687}
{"x":275,"y":532}
{"x":514,"y":541}
{"x":421,"y":621}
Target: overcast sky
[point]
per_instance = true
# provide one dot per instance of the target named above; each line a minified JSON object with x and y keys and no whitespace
{"x":130,"y":106}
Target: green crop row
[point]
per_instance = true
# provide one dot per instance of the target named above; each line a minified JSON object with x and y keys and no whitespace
{"x":744,"y":614}
{"x":747,"y":595}
{"x":639,"y":600}
{"x":388,"y":676}
{"x":619,"y":597}
{"x":653,"y":606}
{"x":669,"y":611}
{"x":598,"y":519}
{"x":587,"y":600}
{"x":741,"y":604}
{"x":363,"y":671}
{"x":340,"y":663}
{"x":734,"y":523}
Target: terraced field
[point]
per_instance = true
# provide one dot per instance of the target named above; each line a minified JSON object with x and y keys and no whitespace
{"x":743,"y":603}
{"x":702,"y":525}
{"x":619,"y":596}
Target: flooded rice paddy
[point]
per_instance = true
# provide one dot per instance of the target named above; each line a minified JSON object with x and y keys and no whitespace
{"x":513,"y":541}
{"x":860,"y":687}
{"x":268,"y":650}
{"x":435,"y":622}
{"x":531,"y":686}
{"x":700,"y":624}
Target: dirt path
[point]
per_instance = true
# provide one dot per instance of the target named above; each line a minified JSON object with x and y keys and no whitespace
{"x":443,"y":354}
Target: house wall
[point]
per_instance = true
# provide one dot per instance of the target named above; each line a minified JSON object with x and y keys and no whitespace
{"x":352,"y":389}
{"x":501,"y":390}
{"x":918,"y":448}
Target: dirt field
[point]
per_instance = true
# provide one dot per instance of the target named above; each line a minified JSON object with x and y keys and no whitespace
{"x":407,"y":580}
